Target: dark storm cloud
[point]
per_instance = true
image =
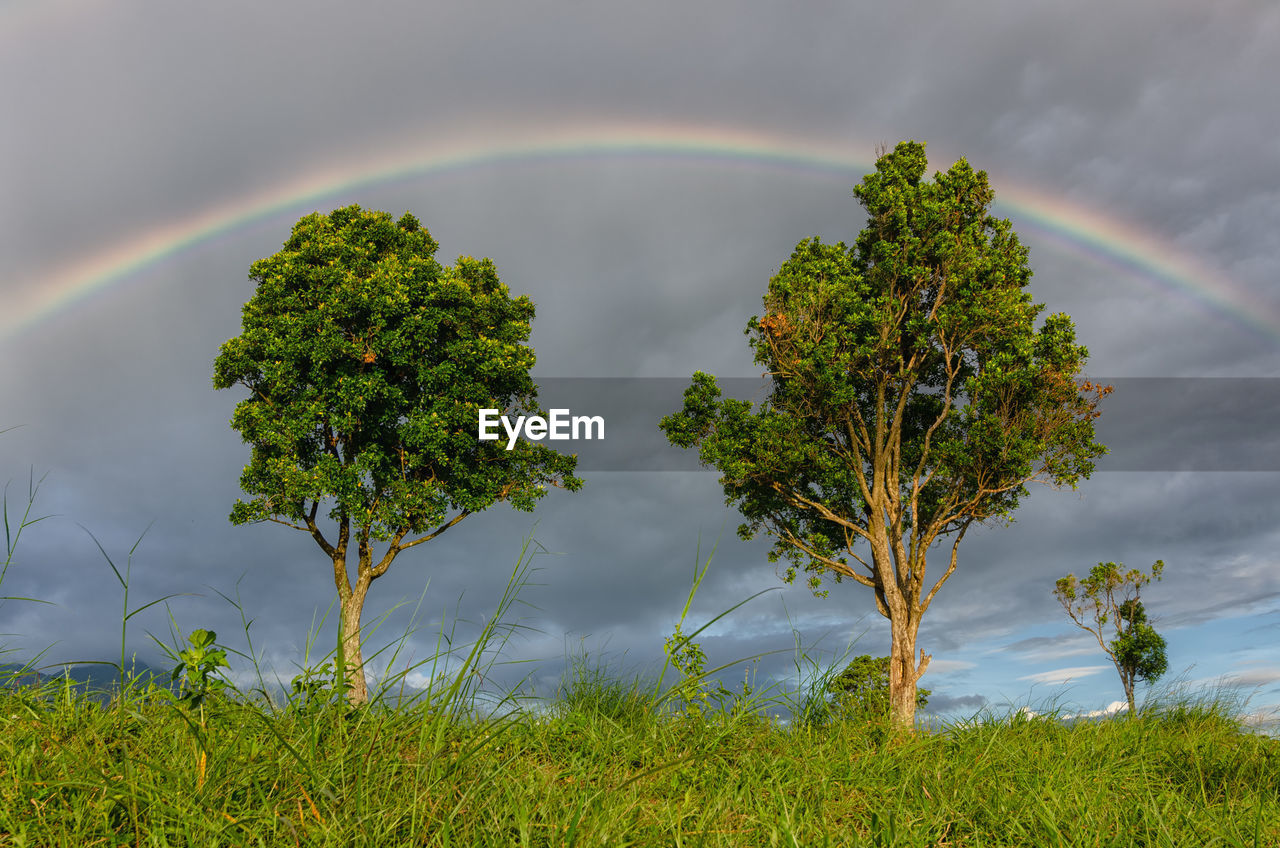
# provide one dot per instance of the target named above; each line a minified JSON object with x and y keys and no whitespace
{"x":179,"y":103}
{"x":118,"y":122}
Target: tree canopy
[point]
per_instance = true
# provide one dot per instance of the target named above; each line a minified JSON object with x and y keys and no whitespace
{"x":366,"y":363}
{"x":913,"y":394}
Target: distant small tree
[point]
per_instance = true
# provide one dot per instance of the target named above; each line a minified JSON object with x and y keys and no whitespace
{"x":1137,"y":650}
{"x":367,"y":363}
{"x":861,"y":691}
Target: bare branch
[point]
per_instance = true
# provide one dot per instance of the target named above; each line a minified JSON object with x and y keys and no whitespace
{"x":285,"y":523}
{"x":924,"y":665}
{"x":801,"y":502}
{"x":392,"y":551}
{"x":317,"y":534}
{"x":951,"y":567}
{"x":838,"y":567}
{"x":438,"y":530}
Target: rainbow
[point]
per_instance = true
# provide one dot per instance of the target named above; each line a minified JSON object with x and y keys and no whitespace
{"x":1083,"y":231}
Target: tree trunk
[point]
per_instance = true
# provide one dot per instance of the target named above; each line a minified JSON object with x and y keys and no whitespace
{"x":349,"y":645}
{"x":1127,"y":680}
{"x":903,"y":675}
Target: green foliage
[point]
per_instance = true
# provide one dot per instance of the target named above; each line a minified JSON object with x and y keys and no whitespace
{"x":689,"y":659}
{"x":366,"y":362}
{"x":912,"y":394}
{"x":13,"y":533}
{"x":861,"y":691}
{"x":1139,"y":649}
{"x":589,"y":690}
{"x":1109,"y":594}
{"x":909,"y":360}
{"x":315,"y":689}
{"x":197,"y":667}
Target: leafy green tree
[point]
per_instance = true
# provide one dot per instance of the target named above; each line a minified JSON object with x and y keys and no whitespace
{"x":912,"y":396}
{"x":861,"y":691}
{"x":862,"y":688}
{"x":366,"y":363}
{"x":1109,"y":595}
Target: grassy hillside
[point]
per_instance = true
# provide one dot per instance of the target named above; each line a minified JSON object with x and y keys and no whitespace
{"x":609,"y":765}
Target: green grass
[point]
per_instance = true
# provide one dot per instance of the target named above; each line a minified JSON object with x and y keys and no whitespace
{"x":608,"y":766}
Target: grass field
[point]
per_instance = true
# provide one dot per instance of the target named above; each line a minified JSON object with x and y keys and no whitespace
{"x":606,"y":765}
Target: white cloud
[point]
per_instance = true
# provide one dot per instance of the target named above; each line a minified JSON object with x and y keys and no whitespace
{"x":1109,"y":710}
{"x":1064,"y":675}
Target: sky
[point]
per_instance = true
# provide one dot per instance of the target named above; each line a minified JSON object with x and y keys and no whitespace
{"x":640,"y":171}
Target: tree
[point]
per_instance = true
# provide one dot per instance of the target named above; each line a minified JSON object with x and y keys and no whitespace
{"x":912,"y":396}
{"x":1137,"y":650}
{"x":1140,"y":650}
{"x":861,"y":691}
{"x":367,"y":363}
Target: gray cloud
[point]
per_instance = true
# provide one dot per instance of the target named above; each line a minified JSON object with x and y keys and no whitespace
{"x":939,"y":704}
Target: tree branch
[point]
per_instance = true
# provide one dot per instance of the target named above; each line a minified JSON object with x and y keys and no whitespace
{"x":392,"y":551}
{"x":800,"y":502}
{"x":285,"y":523}
{"x":835,"y":565}
{"x":924,"y":665}
{"x":316,"y":533}
{"x":438,"y":530}
{"x":951,"y":567}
